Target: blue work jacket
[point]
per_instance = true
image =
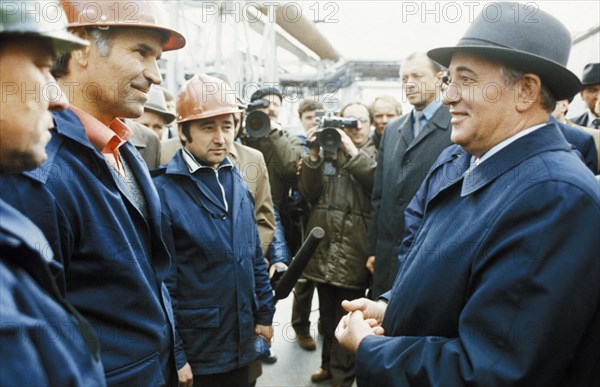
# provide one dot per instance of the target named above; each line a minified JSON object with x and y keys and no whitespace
{"x":499,"y":281}
{"x":43,"y":340}
{"x":115,"y":261}
{"x":218,"y":283}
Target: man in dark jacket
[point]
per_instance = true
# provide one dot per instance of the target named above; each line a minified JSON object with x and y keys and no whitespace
{"x":337,"y":183}
{"x":403,"y":159}
{"x":590,"y":79}
{"x":94,"y":199}
{"x":218,"y":282}
{"x":45,"y":341}
{"x":499,"y":283}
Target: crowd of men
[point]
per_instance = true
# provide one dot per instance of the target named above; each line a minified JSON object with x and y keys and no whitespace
{"x":141,"y":235}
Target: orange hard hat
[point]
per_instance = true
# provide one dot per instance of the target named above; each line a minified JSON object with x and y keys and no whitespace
{"x":123,"y":13}
{"x":204,"y":96}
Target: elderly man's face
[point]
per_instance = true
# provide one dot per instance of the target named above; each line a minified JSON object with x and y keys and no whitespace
{"x":153,"y":121}
{"x":118,"y":84}
{"x":383,"y":112}
{"x":589,"y":95}
{"x":27,"y":99}
{"x":482,"y":107}
{"x":420,"y":81}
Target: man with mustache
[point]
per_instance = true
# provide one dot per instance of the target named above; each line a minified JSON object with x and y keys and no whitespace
{"x":219,"y":283}
{"x":94,"y":199}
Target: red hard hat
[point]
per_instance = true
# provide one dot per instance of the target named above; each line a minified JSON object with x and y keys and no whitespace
{"x":204,"y":96}
{"x":123,"y":13}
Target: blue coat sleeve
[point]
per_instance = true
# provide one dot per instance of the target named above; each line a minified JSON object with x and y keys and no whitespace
{"x":171,"y":280}
{"x":264,"y":292}
{"x":532,"y":293}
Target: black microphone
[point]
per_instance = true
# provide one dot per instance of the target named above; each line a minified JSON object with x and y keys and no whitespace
{"x":299,"y":262}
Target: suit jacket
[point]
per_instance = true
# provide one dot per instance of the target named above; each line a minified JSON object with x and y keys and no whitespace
{"x":501,"y":283}
{"x":595,"y":135}
{"x":582,"y":142}
{"x":581,"y":119}
{"x":168,"y":148}
{"x":402,"y":164}
{"x":146,"y":142}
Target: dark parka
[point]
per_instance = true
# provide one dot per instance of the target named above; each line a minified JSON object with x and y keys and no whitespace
{"x":341,"y":206}
{"x":282,"y":152}
{"x":45,"y":342}
{"x":115,"y":261}
{"x":500,"y":278}
{"x":219,"y":283}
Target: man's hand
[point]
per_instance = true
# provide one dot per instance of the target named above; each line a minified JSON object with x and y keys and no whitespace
{"x":276,"y":266}
{"x":266,"y":331}
{"x":186,"y":378}
{"x":370,"y":309}
{"x":347,"y":145}
{"x":371,"y":264}
{"x":311,"y":137}
{"x":353,"y":327}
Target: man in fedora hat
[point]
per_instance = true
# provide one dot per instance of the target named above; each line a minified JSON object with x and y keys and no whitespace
{"x":156,"y":115}
{"x":147,"y":130}
{"x":590,"y":80}
{"x":499,"y":282}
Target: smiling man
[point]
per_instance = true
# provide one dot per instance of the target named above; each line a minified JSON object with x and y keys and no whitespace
{"x":219,"y":282}
{"x":94,"y":199}
{"x":500,"y":278}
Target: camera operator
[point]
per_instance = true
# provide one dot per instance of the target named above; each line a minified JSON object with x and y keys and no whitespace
{"x":337,"y":183}
{"x":281,"y":152}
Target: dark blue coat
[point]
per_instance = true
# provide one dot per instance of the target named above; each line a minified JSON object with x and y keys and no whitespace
{"x":43,"y":340}
{"x":582,"y":141}
{"x":500,"y":285}
{"x":114,"y":261}
{"x":218,"y":283}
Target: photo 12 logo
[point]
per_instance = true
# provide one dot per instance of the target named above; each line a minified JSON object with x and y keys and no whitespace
{"x":455,"y":11}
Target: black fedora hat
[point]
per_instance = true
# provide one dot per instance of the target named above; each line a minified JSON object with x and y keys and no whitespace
{"x":522,"y":37}
{"x":591,"y":74}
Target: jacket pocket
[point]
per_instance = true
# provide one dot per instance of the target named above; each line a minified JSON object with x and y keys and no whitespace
{"x":197,"y":317}
{"x":145,"y":372}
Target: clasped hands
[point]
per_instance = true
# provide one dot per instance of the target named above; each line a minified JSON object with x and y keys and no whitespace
{"x":363,"y":319}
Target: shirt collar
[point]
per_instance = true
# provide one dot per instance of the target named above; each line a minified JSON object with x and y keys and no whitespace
{"x":103,"y":138}
{"x":498,"y":147}
{"x":429,"y":110}
{"x":591,"y":118}
{"x":194,"y":164}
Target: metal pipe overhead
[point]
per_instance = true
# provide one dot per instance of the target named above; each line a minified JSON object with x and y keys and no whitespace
{"x":305,"y":31}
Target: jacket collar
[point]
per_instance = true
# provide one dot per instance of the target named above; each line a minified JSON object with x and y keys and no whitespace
{"x":439,"y":121}
{"x":547,"y":138}
{"x":178,"y":166}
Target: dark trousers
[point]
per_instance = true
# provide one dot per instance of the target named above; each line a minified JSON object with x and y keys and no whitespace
{"x":234,"y":378}
{"x":301,"y":308}
{"x":334,"y":357}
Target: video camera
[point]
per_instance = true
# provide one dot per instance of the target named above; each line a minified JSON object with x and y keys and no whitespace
{"x":257,"y":124}
{"x":328,"y":137}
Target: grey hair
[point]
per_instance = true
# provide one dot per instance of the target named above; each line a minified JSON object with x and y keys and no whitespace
{"x":100,"y":35}
{"x":510,"y":75}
